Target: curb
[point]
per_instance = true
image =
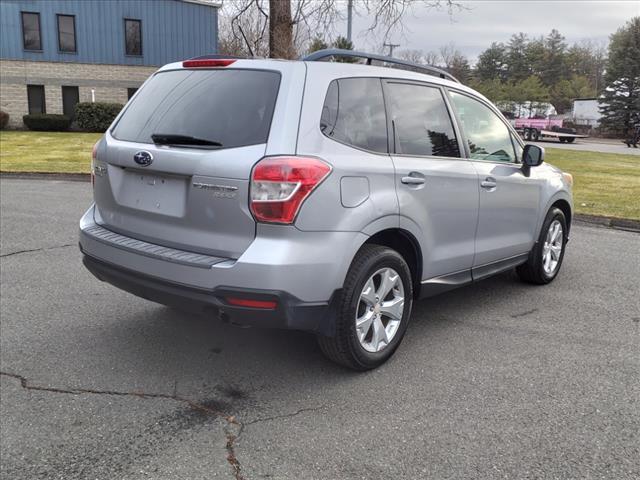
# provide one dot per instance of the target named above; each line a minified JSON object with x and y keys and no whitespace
{"x":609,"y":222}
{"x":71,"y":177}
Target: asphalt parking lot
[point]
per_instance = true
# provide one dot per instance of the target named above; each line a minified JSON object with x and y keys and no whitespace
{"x":495,"y":380}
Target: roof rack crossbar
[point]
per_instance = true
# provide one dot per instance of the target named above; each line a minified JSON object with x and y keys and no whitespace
{"x":337,"y":52}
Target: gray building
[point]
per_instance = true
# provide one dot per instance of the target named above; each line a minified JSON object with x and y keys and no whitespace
{"x":55,"y":53}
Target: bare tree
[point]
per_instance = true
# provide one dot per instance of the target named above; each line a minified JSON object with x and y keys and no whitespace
{"x":415,"y":56}
{"x":287,"y":26}
{"x":432,"y":58}
{"x":448,"y":54}
{"x":280,"y":29}
{"x":388,"y":15}
{"x":244,"y":33}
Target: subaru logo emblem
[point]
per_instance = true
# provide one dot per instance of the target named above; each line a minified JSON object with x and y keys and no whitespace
{"x":143,"y":158}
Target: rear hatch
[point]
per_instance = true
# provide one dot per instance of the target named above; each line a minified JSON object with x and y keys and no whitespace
{"x":174,"y":170}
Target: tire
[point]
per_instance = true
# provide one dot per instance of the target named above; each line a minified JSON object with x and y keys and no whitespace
{"x":351,"y":348}
{"x":562,"y":139}
{"x":535,"y":135}
{"x":527,"y":134}
{"x":535,"y":271}
{"x":571,"y":139}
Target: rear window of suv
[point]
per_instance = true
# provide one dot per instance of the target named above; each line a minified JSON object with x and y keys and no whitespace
{"x":229,"y":107}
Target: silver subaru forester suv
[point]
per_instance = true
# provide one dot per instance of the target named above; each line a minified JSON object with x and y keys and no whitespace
{"x":316,"y":195}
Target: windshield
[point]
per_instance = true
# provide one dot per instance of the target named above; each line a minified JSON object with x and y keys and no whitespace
{"x":231,"y":108}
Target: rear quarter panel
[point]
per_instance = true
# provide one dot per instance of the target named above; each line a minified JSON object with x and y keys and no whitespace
{"x":360,"y":189}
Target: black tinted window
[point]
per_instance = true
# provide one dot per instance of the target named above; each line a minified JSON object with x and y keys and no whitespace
{"x":421,"y":121}
{"x":232,"y":107}
{"x":66,"y":33}
{"x":133,"y":37}
{"x":353,"y":113}
{"x":31,"y":31}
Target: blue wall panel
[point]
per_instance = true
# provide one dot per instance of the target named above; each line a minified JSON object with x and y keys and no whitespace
{"x":171,"y":30}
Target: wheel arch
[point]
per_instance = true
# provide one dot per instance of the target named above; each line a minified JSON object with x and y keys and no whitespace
{"x":563,"y":205}
{"x":406,"y":244}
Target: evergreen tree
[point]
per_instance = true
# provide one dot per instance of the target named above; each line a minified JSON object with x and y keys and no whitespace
{"x":459,"y":67}
{"x":517,"y":65}
{"x":554,"y":64}
{"x":492,"y":63}
{"x":536,"y":53}
{"x":492,"y":88}
{"x":344,"y":44}
{"x":316,"y":44}
{"x":621,"y":97}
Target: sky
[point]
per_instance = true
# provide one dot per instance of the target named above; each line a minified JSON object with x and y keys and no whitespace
{"x":480,"y":22}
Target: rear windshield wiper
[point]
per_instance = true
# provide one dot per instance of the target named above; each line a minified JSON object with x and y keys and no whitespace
{"x":175,"y":139}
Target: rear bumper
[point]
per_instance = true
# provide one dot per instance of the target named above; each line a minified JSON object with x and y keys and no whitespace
{"x":289,"y":313}
{"x":300,"y":271}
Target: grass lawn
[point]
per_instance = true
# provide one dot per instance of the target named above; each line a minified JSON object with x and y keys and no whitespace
{"x":57,"y":152}
{"x":604,"y":183}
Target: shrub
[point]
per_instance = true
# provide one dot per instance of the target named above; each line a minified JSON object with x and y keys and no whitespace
{"x":44,"y":122}
{"x":4,"y":119}
{"x":96,"y":117}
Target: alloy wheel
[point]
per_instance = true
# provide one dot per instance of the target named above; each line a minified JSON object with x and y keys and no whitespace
{"x":552,"y":249}
{"x":380,"y":309}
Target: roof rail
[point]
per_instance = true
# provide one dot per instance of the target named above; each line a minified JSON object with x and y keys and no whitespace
{"x":337,"y":52}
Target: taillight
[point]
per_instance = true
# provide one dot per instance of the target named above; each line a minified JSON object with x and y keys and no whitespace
{"x":94,"y":153}
{"x":279,"y":185}
{"x":210,"y":62}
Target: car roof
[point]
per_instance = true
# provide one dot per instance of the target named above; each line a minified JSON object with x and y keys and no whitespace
{"x":340,"y":70}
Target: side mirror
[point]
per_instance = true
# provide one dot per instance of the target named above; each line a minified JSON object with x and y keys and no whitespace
{"x":532,"y":156}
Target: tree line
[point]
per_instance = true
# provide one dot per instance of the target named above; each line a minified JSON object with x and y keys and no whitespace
{"x":531,"y":71}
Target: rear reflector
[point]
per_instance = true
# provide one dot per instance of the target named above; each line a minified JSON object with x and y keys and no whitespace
{"x":279,"y":186}
{"x":211,"y":62}
{"x":245,"y":302}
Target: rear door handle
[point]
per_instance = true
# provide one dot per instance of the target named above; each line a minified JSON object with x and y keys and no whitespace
{"x":410,"y":180}
{"x":489,"y":183}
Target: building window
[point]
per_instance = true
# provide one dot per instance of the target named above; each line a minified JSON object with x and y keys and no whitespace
{"x":31,"y":38}
{"x":133,"y":36}
{"x":131,"y":92}
{"x":67,"y":33}
{"x":70,"y":97}
{"x":35,"y":98}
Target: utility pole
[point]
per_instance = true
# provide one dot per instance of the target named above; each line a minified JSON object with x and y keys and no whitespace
{"x":349,"y":18}
{"x":391,"y":47}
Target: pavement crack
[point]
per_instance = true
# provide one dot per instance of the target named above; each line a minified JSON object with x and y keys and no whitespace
{"x":42,"y":249}
{"x":284,"y":415}
{"x":232,"y":422}
{"x":525,"y":313}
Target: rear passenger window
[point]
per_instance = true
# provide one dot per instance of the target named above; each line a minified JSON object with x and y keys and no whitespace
{"x":421,"y":122}
{"x":353,"y":113}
